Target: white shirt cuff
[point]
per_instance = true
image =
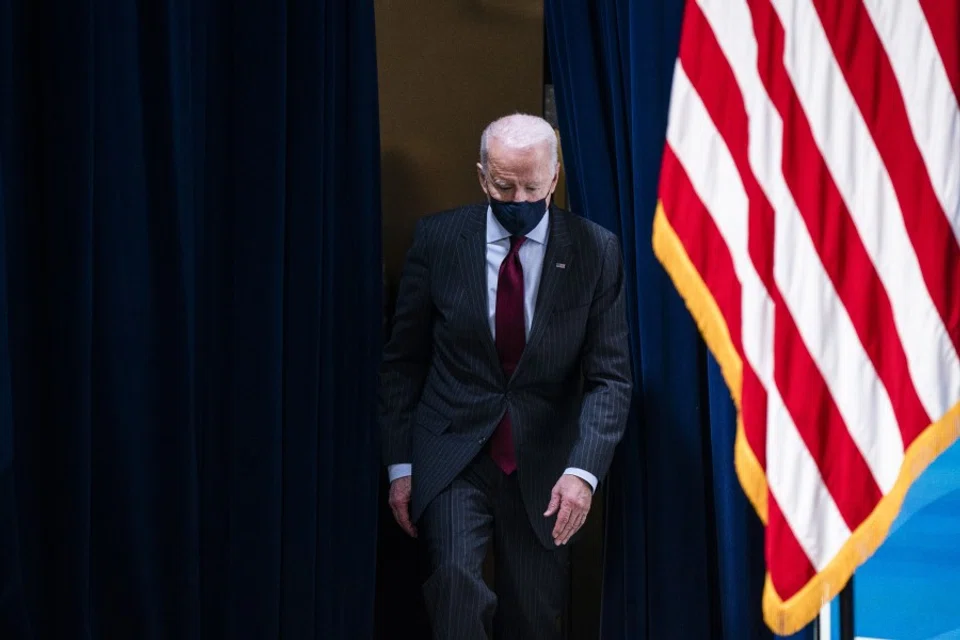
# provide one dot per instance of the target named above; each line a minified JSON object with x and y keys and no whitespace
{"x":395,"y":471}
{"x":588,"y":477}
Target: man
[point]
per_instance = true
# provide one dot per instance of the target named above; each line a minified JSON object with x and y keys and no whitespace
{"x":504,"y":389}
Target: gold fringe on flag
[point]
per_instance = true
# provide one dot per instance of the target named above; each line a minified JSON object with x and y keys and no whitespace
{"x":788,"y":617}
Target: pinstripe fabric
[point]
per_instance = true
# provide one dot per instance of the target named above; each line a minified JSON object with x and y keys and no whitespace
{"x":531,"y":580}
{"x":456,"y":528}
{"x":480,"y":505}
{"x":443,"y":391}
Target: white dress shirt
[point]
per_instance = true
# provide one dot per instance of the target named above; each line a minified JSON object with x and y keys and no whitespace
{"x":531,"y":259}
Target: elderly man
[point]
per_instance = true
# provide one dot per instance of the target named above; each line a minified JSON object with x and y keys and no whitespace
{"x":505,"y":387}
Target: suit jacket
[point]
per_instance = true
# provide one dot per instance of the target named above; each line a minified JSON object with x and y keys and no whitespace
{"x":443,"y":391}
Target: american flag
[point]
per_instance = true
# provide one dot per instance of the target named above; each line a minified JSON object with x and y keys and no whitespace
{"x":809,"y":215}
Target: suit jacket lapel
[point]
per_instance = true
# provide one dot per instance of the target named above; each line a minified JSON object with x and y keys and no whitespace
{"x":472,"y":256}
{"x":556,"y":264}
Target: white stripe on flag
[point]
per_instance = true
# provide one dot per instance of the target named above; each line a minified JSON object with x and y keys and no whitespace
{"x":865,"y":186}
{"x":795,"y":480}
{"x":931,"y":105}
{"x":706,"y":159}
{"x":730,"y":22}
{"x":831,"y":339}
{"x":800,"y":275}
{"x":701,"y":150}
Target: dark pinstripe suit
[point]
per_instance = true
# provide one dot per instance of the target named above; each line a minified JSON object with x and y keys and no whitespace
{"x":443,"y":392}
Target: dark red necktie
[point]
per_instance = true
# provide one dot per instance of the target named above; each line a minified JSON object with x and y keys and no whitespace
{"x":510,"y":338}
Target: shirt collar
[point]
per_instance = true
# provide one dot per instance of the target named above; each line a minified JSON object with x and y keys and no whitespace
{"x":496,"y":232}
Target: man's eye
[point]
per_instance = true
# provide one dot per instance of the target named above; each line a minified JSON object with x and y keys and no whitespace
{"x":504,"y":187}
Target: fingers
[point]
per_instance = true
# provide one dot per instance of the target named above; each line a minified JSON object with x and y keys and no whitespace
{"x":554,"y":503}
{"x":563,"y":533}
{"x":564,"y":518}
{"x":400,"y":505}
{"x":401,"y":513}
{"x":575,"y":524}
{"x":571,"y":516}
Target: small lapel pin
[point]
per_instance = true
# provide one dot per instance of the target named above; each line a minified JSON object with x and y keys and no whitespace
{"x":561,"y":265}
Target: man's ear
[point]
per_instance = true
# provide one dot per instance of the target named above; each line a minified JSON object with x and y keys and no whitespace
{"x":553,"y":185}
{"x":481,"y":176}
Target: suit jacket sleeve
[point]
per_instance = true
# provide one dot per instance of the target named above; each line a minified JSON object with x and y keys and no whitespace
{"x":406,"y":356}
{"x":605,"y":363}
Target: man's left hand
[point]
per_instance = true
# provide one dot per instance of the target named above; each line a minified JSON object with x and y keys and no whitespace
{"x":570,"y":500}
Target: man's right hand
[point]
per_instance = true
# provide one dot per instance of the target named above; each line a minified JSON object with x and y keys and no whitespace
{"x":400,"y":490}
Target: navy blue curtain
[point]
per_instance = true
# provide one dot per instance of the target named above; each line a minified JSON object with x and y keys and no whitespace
{"x":190,"y":291}
{"x":684,"y":550}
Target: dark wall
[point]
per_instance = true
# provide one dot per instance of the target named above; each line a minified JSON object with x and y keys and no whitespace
{"x":446,"y":69}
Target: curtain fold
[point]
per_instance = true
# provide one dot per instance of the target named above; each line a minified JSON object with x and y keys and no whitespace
{"x":190,"y":298}
{"x":684,"y":554}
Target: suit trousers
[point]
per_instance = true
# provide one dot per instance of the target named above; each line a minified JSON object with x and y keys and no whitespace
{"x":531,"y":581}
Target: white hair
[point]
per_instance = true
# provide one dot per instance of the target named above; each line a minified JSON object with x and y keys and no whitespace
{"x":519,"y":131}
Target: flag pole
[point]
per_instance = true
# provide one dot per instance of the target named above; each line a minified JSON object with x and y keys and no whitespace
{"x":846,"y":611}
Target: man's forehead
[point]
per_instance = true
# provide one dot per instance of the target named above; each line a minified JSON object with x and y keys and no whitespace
{"x":497,"y":147}
{"x":511,"y":160}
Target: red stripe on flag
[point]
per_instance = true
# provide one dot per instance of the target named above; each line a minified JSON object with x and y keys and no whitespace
{"x":712,"y":78}
{"x":710,"y":256}
{"x":787,"y":563}
{"x":943,"y":17}
{"x":838,"y":243}
{"x":753,"y":413}
{"x":869,"y":75}
{"x":805,"y":392}
{"x":806,"y":395}
{"x":702,"y":241}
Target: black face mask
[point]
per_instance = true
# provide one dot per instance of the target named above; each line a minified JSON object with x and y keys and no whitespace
{"x":519,"y":218}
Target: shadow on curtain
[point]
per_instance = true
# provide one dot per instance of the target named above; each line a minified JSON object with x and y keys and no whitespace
{"x":684,"y":550}
{"x":190,"y":290}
